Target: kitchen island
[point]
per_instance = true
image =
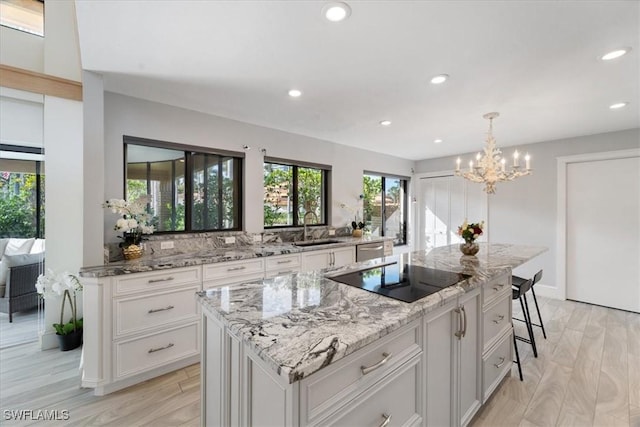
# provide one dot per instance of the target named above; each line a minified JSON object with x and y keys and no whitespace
{"x":303,"y":349}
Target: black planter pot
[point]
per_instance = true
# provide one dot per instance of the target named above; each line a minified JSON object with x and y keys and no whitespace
{"x":70,"y":341}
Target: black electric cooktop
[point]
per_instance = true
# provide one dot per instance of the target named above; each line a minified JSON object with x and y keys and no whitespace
{"x":404,"y":282}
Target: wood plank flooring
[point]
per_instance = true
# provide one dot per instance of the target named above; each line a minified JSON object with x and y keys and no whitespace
{"x":23,"y":329}
{"x":587,"y":374}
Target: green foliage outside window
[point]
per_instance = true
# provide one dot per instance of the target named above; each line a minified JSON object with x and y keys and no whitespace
{"x":18,"y":205}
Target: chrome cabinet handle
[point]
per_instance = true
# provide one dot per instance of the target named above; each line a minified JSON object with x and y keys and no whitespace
{"x":242,"y":267}
{"x":499,"y":364}
{"x":464,"y":321}
{"x":498,"y":319}
{"x":498,"y":287}
{"x":371,"y":249}
{"x":285,"y":261}
{"x":387,"y":420}
{"x":153,"y":350}
{"x":458,"y":333}
{"x":166,"y":279}
{"x":155,"y":310}
{"x":367,"y":369}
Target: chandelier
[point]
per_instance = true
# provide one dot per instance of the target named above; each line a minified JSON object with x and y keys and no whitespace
{"x":490,"y":167}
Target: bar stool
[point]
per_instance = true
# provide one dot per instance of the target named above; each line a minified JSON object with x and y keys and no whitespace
{"x":517,"y":361}
{"x":516,"y":282}
{"x":519,"y":294}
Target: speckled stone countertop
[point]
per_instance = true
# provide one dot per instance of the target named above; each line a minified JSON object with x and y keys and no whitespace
{"x":300,"y":323}
{"x":204,"y":256}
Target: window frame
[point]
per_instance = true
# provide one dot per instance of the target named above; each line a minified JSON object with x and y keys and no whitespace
{"x":190,"y":151}
{"x":296,"y":164}
{"x":405,"y":217}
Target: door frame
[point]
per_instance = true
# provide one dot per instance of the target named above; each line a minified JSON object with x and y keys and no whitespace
{"x":561,"y":216}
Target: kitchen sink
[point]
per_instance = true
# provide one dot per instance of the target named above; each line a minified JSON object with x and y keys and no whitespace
{"x":316,"y":242}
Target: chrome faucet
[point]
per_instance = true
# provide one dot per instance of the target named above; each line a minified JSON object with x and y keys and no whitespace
{"x":306,"y":222}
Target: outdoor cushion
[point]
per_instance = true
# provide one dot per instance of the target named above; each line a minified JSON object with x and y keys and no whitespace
{"x":38,"y":246}
{"x":3,"y":244}
{"x":14,"y":261}
{"x":18,"y":246}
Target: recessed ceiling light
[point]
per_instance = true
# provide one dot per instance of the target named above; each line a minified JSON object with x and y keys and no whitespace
{"x":618,"y":105}
{"x":440,"y":78}
{"x":294,"y":93}
{"x":615,"y":54}
{"x":437,"y":141}
{"x":385,"y":122}
{"x":336,"y":12}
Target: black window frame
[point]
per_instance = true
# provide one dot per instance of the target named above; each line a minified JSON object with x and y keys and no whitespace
{"x":190,"y":152}
{"x":405,"y":185}
{"x":326,"y":181}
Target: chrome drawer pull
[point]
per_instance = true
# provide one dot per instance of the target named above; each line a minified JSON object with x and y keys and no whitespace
{"x":497,"y":288}
{"x":499,"y":364}
{"x":285,"y":261}
{"x":499,"y":319}
{"x":155,"y":310}
{"x":153,"y":350}
{"x":242,"y":267}
{"x":387,"y":420}
{"x":166,"y":279}
{"x":367,"y":369}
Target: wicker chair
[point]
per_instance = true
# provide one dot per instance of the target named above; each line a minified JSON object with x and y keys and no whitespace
{"x":20,"y":293}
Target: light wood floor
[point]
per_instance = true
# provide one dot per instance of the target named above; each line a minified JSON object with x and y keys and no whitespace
{"x":23,"y":329}
{"x":587,"y":374}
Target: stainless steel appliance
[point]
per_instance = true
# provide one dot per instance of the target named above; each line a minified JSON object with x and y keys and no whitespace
{"x":368,"y":251}
{"x":404,"y":282}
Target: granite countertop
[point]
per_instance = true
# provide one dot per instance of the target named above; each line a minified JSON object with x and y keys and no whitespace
{"x":302,"y":322}
{"x":216,"y":255}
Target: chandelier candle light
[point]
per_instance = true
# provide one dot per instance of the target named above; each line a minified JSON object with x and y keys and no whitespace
{"x":490,"y":167}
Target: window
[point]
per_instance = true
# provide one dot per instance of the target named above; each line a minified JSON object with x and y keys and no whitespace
{"x":23,"y":15}
{"x":385,"y":206}
{"x":292,"y":189}
{"x":190,"y":189}
{"x":21,"y":192}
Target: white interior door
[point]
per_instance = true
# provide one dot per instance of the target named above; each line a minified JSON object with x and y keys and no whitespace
{"x":603,"y":232}
{"x":444,"y":202}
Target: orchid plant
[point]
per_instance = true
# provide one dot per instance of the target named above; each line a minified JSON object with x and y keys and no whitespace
{"x":67,"y":286}
{"x":134,"y":221}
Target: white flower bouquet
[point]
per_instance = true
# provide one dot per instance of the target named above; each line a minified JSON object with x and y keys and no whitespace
{"x":134,"y":221}
{"x":67,"y":286}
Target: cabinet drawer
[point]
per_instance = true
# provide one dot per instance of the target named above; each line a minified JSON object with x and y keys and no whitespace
{"x":143,"y":354}
{"x":228,"y":270}
{"x":144,"y":312}
{"x":337,"y":383}
{"x":495,"y":288}
{"x":496,"y":364}
{"x":127,"y":284}
{"x":283,"y":263}
{"x":497,"y":319}
{"x":396,"y":398}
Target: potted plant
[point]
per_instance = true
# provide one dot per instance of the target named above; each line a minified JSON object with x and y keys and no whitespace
{"x":67,"y":286}
{"x":358,"y":228}
{"x":133,"y":224}
{"x":470,"y":232}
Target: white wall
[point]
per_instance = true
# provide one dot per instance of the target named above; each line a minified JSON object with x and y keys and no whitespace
{"x":21,"y":50}
{"x":136,"y":117}
{"x":61,"y":47}
{"x":524,"y":211}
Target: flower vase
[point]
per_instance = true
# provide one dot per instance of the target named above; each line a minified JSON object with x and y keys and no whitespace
{"x":357,"y":232}
{"x":471,"y":248}
{"x":71,"y":340}
{"x":132,"y":252}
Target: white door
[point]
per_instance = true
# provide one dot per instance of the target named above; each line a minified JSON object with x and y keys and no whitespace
{"x":603,"y":232}
{"x":444,"y":202}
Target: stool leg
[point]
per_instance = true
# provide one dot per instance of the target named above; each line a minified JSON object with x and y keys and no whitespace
{"x":535,"y":300}
{"x":527,"y":319}
{"x":515,"y":347}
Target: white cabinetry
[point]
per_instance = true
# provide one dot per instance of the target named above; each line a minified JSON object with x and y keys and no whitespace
{"x":281,"y":265}
{"x":228,"y":273}
{"x":139,"y":326}
{"x":338,"y":257}
{"x":452,"y":361}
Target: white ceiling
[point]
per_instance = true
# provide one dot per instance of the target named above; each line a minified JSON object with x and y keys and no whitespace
{"x":536,"y":62}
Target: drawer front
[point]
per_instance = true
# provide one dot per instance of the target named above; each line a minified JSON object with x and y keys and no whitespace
{"x":142,"y":354}
{"x":496,"y":320}
{"x":138,"y":282}
{"x":396,"y":398}
{"x":337,"y":383}
{"x":227,"y":270}
{"x":495,"y":289}
{"x":145,"y":312}
{"x":283,"y":263}
{"x":496,"y":364}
